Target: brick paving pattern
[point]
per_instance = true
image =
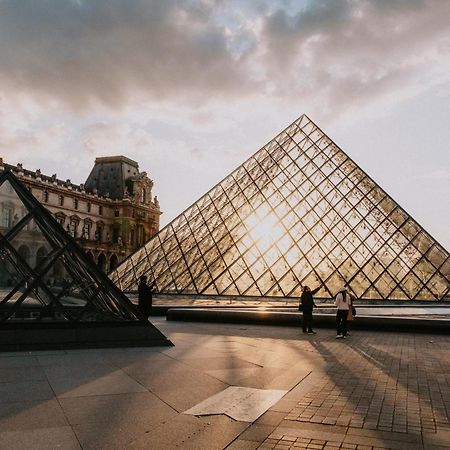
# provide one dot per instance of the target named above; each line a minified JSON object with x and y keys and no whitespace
{"x":407,"y":390}
{"x":393,"y":384}
{"x":288,"y":442}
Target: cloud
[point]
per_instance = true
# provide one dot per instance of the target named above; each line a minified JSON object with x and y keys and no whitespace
{"x":331,"y":55}
{"x":350,"y":53}
{"x":82,"y":52}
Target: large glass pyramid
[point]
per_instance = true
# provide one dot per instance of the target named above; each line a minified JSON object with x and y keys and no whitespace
{"x":298,"y":212}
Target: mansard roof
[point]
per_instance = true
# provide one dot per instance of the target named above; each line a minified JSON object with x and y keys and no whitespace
{"x":109,"y":176}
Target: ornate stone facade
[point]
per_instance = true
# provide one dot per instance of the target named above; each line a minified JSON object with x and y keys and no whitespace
{"x":110,"y":216}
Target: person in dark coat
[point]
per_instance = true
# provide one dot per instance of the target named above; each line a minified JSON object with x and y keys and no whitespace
{"x":145,"y":296}
{"x":306,"y":306}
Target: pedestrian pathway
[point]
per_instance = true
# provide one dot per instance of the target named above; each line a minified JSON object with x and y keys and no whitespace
{"x":370,"y":391}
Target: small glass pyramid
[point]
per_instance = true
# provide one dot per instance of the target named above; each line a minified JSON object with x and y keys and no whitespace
{"x":298,"y":212}
{"x":44,"y":275}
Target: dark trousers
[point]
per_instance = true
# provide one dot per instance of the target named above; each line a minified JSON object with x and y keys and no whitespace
{"x":145,"y":308}
{"x":341,"y":321}
{"x":307,"y":321}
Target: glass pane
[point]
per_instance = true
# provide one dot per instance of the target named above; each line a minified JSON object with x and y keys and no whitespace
{"x":12,"y":208}
{"x":436,"y":256}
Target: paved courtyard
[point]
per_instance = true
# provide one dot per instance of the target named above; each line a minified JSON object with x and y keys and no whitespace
{"x":370,"y":391}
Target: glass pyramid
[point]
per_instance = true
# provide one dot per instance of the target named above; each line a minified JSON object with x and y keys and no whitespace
{"x":297,"y":212}
{"x":44,"y":275}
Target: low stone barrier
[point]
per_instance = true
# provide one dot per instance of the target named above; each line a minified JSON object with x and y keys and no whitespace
{"x":377,"y":323}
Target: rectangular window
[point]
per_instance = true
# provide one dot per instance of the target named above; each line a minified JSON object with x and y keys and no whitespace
{"x":141,"y":235}
{"x":73,"y":228}
{"x":86,"y":230}
{"x":61,"y":200}
{"x":75,"y":203}
{"x":7,"y":217}
{"x":89,"y":207}
{"x":100,"y":210}
{"x":45,"y":196}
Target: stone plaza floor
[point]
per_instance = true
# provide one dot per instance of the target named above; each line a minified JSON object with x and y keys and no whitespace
{"x":371,"y":391}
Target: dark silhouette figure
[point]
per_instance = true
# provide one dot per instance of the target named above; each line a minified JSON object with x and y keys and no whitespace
{"x":145,"y":296}
{"x":306,"y":305}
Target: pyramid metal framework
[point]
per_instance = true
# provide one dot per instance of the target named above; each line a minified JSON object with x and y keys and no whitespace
{"x":44,"y":275}
{"x":297,"y":212}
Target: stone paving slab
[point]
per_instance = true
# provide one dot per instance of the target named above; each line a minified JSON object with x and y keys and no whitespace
{"x":372,"y":391}
{"x":31,"y":414}
{"x":39,"y":439}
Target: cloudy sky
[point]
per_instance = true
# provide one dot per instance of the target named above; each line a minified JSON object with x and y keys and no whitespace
{"x":190,"y":89}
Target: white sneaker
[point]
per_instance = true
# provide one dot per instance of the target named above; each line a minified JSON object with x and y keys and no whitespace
{"x":339,"y":336}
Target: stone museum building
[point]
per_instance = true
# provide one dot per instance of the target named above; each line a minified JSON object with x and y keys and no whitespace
{"x":111,"y":215}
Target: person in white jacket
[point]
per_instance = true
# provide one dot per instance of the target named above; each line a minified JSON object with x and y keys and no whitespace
{"x":343,"y":305}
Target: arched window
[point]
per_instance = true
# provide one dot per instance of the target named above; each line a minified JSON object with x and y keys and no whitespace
{"x":101,"y":262}
{"x":24,"y":252}
{"x":113,"y":262}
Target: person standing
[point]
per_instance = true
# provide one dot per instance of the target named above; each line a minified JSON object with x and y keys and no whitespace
{"x":145,"y":296}
{"x":343,"y":305}
{"x":306,"y":306}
